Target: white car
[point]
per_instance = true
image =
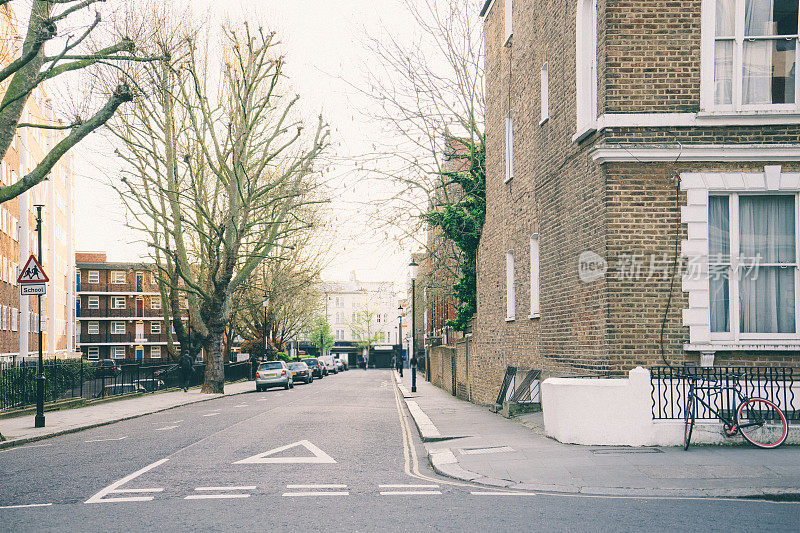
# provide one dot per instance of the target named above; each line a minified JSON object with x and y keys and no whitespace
{"x":273,"y":374}
{"x":327,"y":360}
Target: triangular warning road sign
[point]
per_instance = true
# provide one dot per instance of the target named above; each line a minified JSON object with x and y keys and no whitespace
{"x":319,"y":455}
{"x":32,"y":272}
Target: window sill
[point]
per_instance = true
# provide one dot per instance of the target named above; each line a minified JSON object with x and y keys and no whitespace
{"x":534,"y":315}
{"x":545,"y":119}
{"x":508,"y":179}
{"x":584,"y":132}
{"x":753,"y":346}
{"x":511,"y":319}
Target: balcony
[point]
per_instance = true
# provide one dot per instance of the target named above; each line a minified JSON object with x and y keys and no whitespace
{"x":123,"y":338}
{"x":122,"y":288}
{"x":129,"y":313}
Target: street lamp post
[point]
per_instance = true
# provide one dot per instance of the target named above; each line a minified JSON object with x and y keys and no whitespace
{"x":39,"y":419}
{"x":399,"y":338}
{"x":266,"y":305}
{"x":413,"y":266}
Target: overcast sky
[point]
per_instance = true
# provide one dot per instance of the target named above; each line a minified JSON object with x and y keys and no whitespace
{"x":323,"y":43}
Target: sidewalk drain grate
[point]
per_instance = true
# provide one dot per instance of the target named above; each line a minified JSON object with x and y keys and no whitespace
{"x":625,"y":451}
{"x":490,"y":449}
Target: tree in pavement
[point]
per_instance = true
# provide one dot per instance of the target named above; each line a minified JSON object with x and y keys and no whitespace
{"x":59,"y":40}
{"x":219,"y":171}
{"x":320,"y":334}
{"x":365,"y":330}
{"x":430,"y":95}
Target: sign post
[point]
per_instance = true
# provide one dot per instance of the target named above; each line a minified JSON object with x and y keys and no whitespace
{"x":32,"y":281}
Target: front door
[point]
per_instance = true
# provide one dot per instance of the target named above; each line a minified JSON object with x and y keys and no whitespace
{"x":139,"y":354}
{"x":139,"y":331}
{"x":139,"y":282}
{"x":139,"y":307}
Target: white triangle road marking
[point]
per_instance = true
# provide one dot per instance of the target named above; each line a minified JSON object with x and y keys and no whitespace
{"x":261,"y":458}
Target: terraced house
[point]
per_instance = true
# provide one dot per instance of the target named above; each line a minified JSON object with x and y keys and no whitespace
{"x":618,"y":131}
{"x":119,"y":310}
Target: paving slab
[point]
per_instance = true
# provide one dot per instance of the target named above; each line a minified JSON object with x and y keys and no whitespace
{"x":20,"y":430}
{"x":540,"y":463}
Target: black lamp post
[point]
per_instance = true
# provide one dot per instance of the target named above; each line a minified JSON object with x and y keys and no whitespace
{"x":39,"y":418}
{"x":399,"y":338}
{"x":266,"y":305}
{"x":413,"y":266}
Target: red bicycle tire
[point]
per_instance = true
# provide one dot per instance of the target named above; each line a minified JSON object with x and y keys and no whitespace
{"x":746,"y":431}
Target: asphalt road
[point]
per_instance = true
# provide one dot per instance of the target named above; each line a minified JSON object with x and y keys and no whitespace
{"x":337,"y":455}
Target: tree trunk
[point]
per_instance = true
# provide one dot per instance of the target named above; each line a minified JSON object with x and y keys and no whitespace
{"x":215,"y":367}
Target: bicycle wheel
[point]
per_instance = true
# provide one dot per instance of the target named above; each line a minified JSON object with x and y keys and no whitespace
{"x":688,"y":421}
{"x":764,"y":424}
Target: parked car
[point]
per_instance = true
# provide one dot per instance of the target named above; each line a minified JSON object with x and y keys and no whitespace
{"x":317,"y":368}
{"x":121,"y":388}
{"x":301,"y":372}
{"x":107,"y":367}
{"x":273,"y":374}
{"x":330,"y":366}
{"x":339,"y":365}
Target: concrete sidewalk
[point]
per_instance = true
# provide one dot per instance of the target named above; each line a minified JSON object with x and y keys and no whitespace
{"x":20,"y":430}
{"x":517,"y":455}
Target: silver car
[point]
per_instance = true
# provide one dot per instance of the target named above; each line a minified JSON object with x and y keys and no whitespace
{"x":273,"y":374}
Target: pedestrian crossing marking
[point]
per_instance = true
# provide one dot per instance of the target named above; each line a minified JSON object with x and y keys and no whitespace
{"x":410,"y":493}
{"x":319,"y":456}
{"x":101,"y":496}
{"x":307,"y":494}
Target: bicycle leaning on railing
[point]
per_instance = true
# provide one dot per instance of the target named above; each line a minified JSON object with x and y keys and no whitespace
{"x":759,"y":421}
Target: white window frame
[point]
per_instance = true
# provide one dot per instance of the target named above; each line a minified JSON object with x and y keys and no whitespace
{"x":544,"y":93}
{"x":155,"y":302}
{"x":93,"y":276}
{"x":707,"y":44}
{"x":118,"y":352}
{"x":115,"y":277}
{"x":585,"y":68}
{"x":118,"y":328}
{"x":14,"y":319}
{"x":93,"y":302}
{"x":509,"y":146}
{"x":115,"y":299}
{"x":155,"y":352}
{"x":155,"y":327}
{"x":698,"y":187}
{"x":511,"y":305}
{"x":93,"y":328}
{"x":535,"y":303}
{"x":508,"y":25}
{"x":93,"y":353}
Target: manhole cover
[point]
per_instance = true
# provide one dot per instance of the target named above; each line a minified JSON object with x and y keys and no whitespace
{"x":622,"y":451}
{"x":490,"y":449}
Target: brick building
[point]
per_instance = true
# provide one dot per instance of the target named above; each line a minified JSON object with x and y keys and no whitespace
{"x":119,"y":310}
{"x":614,"y":130}
{"x":19,"y":317}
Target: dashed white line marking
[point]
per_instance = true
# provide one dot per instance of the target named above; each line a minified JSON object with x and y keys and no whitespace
{"x":116,"y":491}
{"x":411,"y":493}
{"x":247,"y":487}
{"x":26,"y":505}
{"x":212,"y":414}
{"x":316,"y":486}
{"x":241,"y":405}
{"x":34,"y":446}
{"x":100,"y":497}
{"x":341,"y":493}
{"x":165,"y":428}
{"x":107,"y":439}
{"x":215,"y":496}
{"x":262,"y":399}
{"x":408,"y":486}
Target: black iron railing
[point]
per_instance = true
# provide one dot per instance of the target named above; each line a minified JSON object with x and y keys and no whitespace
{"x":716,"y":387}
{"x":78,"y":378}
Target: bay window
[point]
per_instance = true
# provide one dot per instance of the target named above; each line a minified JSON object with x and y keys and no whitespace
{"x":753,"y":266}
{"x":755,"y":53}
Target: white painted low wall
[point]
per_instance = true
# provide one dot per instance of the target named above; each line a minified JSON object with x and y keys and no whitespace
{"x":618,"y":412}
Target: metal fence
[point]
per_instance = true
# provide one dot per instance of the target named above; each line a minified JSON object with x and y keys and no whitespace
{"x":77,"y":378}
{"x":716,"y":387}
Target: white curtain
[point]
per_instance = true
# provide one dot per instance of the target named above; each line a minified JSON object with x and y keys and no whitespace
{"x":767,"y":235}
{"x":757,"y":55}
{"x":719,"y":261}
{"x":725,"y":23}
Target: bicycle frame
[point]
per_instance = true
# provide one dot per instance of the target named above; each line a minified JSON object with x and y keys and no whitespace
{"x":731,"y":426}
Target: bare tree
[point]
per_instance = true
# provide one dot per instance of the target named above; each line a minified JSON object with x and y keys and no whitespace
{"x":62,"y":24}
{"x":365,"y":329}
{"x":218,"y":179}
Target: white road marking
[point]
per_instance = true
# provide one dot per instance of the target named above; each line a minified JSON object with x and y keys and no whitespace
{"x":35,"y":446}
{"x":241,"y":405}
{"x":117,"y":491}
{"x":212,"y":414}
{"x":262,"y":399}
{"x":316,"y":486}
{"x":408,"y":486}
{"x":27,"y":505}
{"x":215,"y":496}
{"x":165,"y":428}
{"x":108,"y":439}
{"x":410,"y":493}
{"x":303,"y":494}
{"x":247,"y":487}
{"x":176,"y":421}
{"x":100,"y":496}
{"x":319,"y":455}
